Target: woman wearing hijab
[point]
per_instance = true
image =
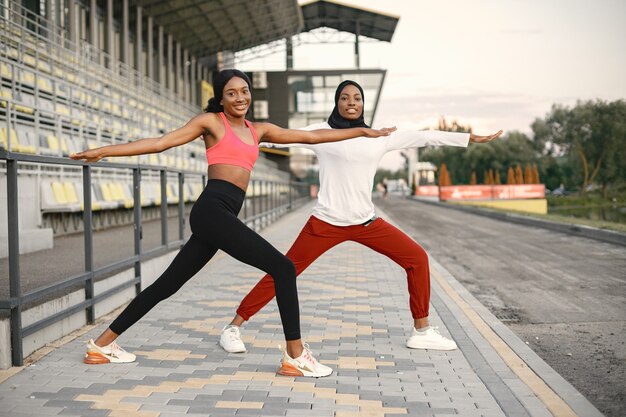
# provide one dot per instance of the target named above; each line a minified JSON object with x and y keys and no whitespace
{"x":345,"y":211}
{"x":232,"y":148}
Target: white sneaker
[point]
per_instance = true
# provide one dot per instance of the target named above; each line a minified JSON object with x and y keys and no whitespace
{"x":111,"y":353}
{"x":303,"y":365}
{"x":430,"y":339}
{"x":230,"y":340}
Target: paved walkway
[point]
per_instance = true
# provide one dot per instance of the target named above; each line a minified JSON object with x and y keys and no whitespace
{"x":355,"y":317}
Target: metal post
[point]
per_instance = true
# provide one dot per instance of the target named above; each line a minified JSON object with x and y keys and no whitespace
{"x":289,"y":53}
{"x":160,"y":57}
{"x":181,"y":206}
{"x":139,"y":42}
{"x":109,"y":34}
{"x":150,"y":45}
{"x":137,"y":222}
{"x":169,"y":62}
{"x":93,"y":24}
{"x":125,"y":41}
{"x":185,"y":69}
{"x":177,"y":70}
{"x":193,"y":83}
{"x":72,"y":26}
{"x":163,"y":208}
{"x":88,"y":237}
{"x":15,"y":290}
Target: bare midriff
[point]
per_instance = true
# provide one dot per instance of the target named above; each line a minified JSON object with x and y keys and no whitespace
{"x":231,"y":173}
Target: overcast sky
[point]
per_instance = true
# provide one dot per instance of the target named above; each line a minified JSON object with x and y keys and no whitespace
{"x":493,"y":64}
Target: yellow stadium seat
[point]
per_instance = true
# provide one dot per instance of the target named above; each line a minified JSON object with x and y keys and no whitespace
{"x":44,"y":85}
{"x":70,"y":193}
{"x":29,"y":60}
{"x":43,"y":66}
{"x":121,"y":195}
{"x":59,"y":193}
{"x":27,"y":78}
{"x":6,"y":71}
{"x":5,"y":96}
{"x":64,"y":147}
{"x":15,"y":143}
{"x":106,"y":192}
{"x":62,"y":109}
{"x":53,"y":143}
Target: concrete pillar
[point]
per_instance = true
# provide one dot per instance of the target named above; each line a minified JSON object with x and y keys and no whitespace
{"x":169,"y":62}
{"x":161,"y":56}
{"x":83,"y":35}
{"x":125,"y":41}
{"x":72,"y":21}
{"x":109,"y":33}
{"x":93,"y":23}
{"x":52,"y":18}
{"x":193,"y":83}
{"x":186,"y":69}
{"x":139,"y":42}
{"x":177,"y":71}
{"x":150,"y":51}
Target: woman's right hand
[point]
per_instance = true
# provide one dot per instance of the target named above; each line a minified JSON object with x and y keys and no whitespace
{"x":375,"y":133}
{"x":90,"y":155}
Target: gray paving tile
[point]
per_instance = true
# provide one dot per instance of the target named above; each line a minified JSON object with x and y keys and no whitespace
{"x":472,"y":381}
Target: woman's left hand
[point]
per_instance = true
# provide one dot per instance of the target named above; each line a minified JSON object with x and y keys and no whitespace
{"x":91,"y":155}
{"x":375,"y":133}
{"x":484,"y":139}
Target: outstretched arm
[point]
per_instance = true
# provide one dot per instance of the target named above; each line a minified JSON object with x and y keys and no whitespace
{"x":274,"y":134}
{"x":185,"y":134}
{"x":418,"y":138}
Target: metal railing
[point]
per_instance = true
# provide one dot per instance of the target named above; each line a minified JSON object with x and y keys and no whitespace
{"x":266,"y":200}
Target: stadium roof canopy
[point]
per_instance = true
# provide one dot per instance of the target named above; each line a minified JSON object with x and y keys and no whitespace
{"x":349,"y":19}
{"x":204,"y":27}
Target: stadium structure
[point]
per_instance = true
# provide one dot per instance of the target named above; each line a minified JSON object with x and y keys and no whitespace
{"x":78,"y":74}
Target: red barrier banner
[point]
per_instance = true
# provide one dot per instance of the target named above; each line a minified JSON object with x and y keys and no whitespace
{"x":508,"y":192}
{"x":465,"y":192}
{"x":427,"y":191}
{"x":491,"y":192}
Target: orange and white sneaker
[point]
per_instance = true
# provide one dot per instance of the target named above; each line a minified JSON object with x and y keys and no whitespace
{"x":303,"y":365}
{"x":111,"y":353}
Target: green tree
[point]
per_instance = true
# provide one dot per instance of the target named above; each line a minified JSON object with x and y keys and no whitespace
{"x":591,"y":137}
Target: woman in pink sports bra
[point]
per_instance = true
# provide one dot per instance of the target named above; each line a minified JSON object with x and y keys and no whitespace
{"x":232,"y":149}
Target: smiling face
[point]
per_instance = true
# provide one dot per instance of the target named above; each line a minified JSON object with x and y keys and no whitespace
{"x":236,"y":97}
{"x":350,"y":104}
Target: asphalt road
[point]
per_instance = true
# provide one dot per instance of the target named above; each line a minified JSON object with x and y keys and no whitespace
{"x":565,"y":296}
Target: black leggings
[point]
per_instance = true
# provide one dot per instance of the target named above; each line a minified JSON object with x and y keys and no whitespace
{"x":214,"y":225}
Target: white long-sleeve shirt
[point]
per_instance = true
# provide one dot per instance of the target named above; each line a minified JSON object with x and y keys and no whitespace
{"x":347,"y":169}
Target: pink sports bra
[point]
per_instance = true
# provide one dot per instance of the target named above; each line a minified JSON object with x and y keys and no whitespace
{"x":233,"y":151}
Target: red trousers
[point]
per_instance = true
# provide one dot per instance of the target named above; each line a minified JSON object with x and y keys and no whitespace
{"x":318,"y":236}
